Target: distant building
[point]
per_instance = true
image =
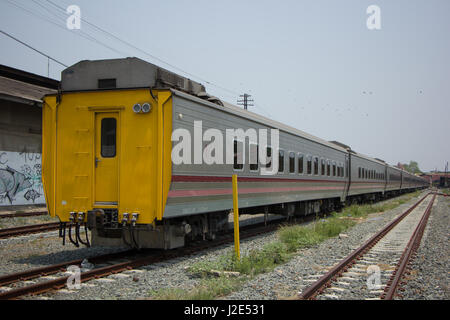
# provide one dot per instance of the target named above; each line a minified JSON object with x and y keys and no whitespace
{"x":21,"y":96}
{"x":439,"y":179}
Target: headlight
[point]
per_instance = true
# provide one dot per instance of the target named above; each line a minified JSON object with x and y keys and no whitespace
{"x":146,"y":107}
{"x":137,"y":108}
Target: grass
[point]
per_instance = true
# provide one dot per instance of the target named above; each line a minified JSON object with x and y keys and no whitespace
{"x":290,"y":240}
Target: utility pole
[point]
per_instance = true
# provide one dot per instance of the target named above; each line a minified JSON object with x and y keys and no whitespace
{"x":246,"y":102}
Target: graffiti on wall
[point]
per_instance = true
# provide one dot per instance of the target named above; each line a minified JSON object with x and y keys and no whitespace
{"x":20,"y":178}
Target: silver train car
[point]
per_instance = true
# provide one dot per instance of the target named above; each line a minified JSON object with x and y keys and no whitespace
{"x":147,"y":199}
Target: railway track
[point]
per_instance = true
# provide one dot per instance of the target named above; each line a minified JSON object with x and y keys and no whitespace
{"x":23,"y":214}
{"x":40,"y":280}
{"x":29,"y":229}
{"x":375,"y":269}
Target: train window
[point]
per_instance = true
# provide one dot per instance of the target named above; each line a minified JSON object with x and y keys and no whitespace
{"x":108,"y":137}
{"x":238,"y":155}
{"x":316,"y":165}
{"x":254,"y":157}
{"x":300,"y":163}
{"x":328,"y":168}
{"x":308,"y":165}
{"x":342,"y":169}
{"x":334,"y":169}
{"x":281,"y":161}
{"x":322,"y":169}
{"x":269,"y":157}
{"x":292,"y":162}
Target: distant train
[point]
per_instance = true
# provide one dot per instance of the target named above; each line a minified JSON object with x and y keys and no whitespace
{"x":107,"y":161}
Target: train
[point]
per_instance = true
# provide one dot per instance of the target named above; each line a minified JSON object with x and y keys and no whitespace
{"x":114,"y":128}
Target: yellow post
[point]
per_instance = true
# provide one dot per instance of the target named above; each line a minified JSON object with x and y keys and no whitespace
{"x":236,"y":217}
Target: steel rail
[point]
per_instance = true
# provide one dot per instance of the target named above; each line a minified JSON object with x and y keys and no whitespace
{"x":37,"y":228}
{"x":60,"y":267}
{"x":23,"y":214}
{"x":322,"y":282}
{"x":411,"y":247}
{"x":42,"y":287}
{"x":61,"y":282}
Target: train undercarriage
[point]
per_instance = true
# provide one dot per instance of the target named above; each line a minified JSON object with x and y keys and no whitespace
{"x":174,"y":233}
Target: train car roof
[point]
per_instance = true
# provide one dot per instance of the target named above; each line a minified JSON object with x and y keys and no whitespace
{"x":136,"y":73}
{"x":369,"y":158}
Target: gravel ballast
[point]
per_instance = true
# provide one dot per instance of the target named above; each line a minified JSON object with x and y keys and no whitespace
{"x":284,"y":281}
{"x":430,"y":278}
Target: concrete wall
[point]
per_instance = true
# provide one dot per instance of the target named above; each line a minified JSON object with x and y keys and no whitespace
{"x":20,"y":154}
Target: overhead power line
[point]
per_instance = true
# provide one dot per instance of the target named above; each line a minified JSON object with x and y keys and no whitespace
{"x":32,"y":48}
{"x":61,"y":19}
{"x":60,"y":15}
{"x":143,"y":51}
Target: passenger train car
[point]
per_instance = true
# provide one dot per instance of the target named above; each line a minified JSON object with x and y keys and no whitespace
{"x":107,"y":160}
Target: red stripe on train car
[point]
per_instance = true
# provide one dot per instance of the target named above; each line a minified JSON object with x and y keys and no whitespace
{"x":215,"y":192}
{"x":255,"y":179}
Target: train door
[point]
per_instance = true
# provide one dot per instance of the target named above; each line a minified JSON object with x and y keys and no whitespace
{"x":106,"y":172}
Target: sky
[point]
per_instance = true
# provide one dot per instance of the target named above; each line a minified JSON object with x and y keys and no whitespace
{"x":313,"y":65}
